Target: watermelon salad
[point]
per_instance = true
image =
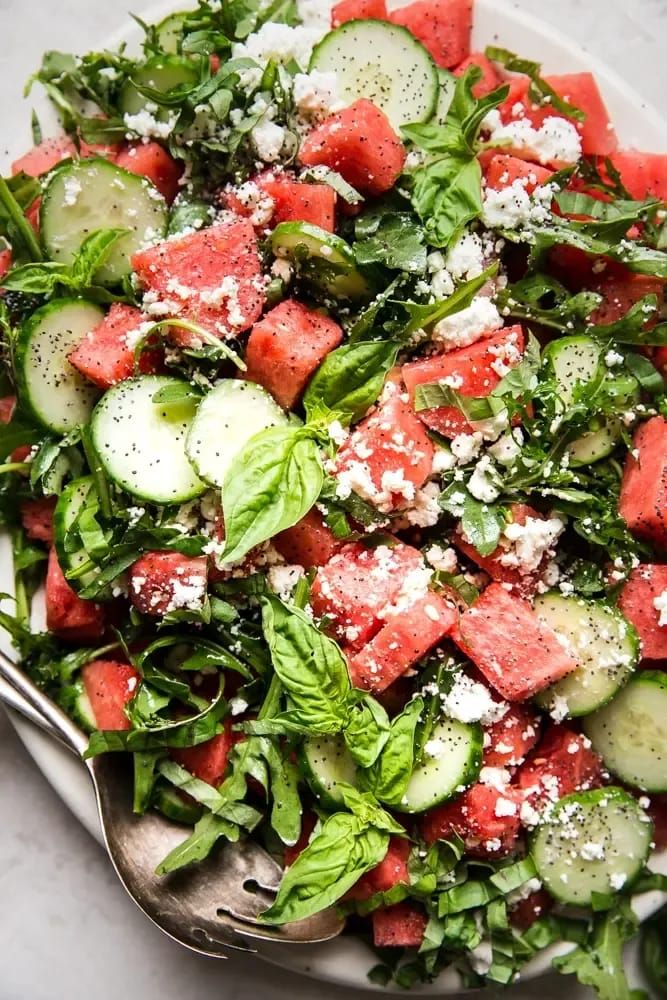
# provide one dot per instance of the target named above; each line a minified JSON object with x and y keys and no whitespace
{"x":334,"y":426}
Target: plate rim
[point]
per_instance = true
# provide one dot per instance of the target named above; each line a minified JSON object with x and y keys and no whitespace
{"x":324,"y":962}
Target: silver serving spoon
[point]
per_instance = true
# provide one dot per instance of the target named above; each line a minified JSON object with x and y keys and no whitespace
{"x":209,"y":907}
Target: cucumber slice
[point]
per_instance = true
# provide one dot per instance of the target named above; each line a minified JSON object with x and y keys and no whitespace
{"x":169,"y":32}
{"x":58,"y":396}
{"x":94,"y":194}
{"x":141,"y":444}
{"x":383,"y":62}
{"x":161,"y":73}
{"x":227,"y":417}
{"x":70,"y":504}
{"x":326,"y":761}
{"x":595,"y":445}
{"x":630,"y":733}
{"x":322,"y":259}
{"x":167,"y":801}
{"x":454,"y":766}
{"x":603,"y":643}
{"x":573,"y":360}
{"x":591,"y":842}
{"x":80,"y":709}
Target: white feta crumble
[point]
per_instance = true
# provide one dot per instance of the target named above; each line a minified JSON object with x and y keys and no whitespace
{"x":556,"y":141}
{"x":425,"y":511}
{"x":530,"y":541}
{"x":316,"y":93}
{"x":315,"y":14}
{"x":481,"y":957}
{"x":505,"y":807}
{"x":441,"y":282}
{"x":495,"y":777}
{"x":282,"y":269}
{"x":507,"y":448}
{"x":660,"y":605}
{"x":513,"y":208}
{"x":283,"y":579}
{"x":238,"y":706}
{"x":443,"y":560}
{"x":468,"y":325}
{"x":268,"y":139}
{"x":465,"y":447}
{"x":483,"y":483}
{"x":617,"y":880}
{"x":469,"y":701}
{"x":613,"y":358}
{"x":560,"y":708}
{"x":145,"y":124}
{"x":257,"y":202}
{"x":276,"y":43}
{"x":591,"y":851}
{"x":72,"y":189}
{"x":465,"y":260}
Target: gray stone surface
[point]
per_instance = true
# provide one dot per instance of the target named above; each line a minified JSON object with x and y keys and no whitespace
{"x":67,"y":930}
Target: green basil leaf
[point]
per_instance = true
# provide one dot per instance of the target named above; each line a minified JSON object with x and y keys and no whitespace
{"x":544,"y":300}
{"x":447,"y":195}
{"x":646,"y":374}
{"x":36,"y":279}
{"x":272,"y":484}
{"x":350,"y":379}
{"x":631,"y":328}
{"x":93,"y":253}
{"x":365,"y":807}
{"x":311,"y":667}
{"x":389,"y":777}
{"x":654,"y":954}
{"x":367,"y":731}
{"x":217,"y":800}
{"x":482,"y":524}
{"x":336,"y":857}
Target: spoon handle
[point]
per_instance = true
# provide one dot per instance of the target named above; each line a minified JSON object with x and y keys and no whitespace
{"x":10,"y":697}
{"x":67,"y":731}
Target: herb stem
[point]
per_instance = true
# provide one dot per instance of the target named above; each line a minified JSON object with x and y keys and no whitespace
{"x":272,"y":700}
{"x":18,"y":218}
{"x":15,"y":467}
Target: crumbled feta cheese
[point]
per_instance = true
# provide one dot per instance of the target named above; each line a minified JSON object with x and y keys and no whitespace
{"x":276,"y":43}
{"x":468,"y":325}
{"x":469,"y":701}
{"x":337,"y":432}
{"x":441,"y":282}
{"x":269,"y":139}
{"x":282,"y":269}
{"x":592,"y":852}
{"x":443,"y":560}
{"x":72,"y":189}
{"x":617,"y":880}
{"x":283,"y":579}
{"x":560,"y":708}
{"x":145,"y":124}
{"x":530,"y":541}
{"x":466,"y":258}
{"x":315,"y":14}
{"x":465,"y":447}
{"x":507,"y":448}
{"x":505,"y":807}
{"x":316,"y":93}
{"x":556,"y":141}
{"x":613,"y":358}
{"x":257,"y":202}
{"x":495,"y":777}
{"x":443,"y":461}
{"x":513,"y":208}
{"x":238,"y":705}
{"x":660,"y":605}
{"x":481,"y":957}
{"x":426,"y":510}
{"x":483,"y":484}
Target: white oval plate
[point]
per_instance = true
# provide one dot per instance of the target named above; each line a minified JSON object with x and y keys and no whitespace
{"x":346,"y":961}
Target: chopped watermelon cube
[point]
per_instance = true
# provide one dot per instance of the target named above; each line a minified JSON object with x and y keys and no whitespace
{"x":399,"y":926}
{"x":388,"y":457}
{"x":49,"y":153}
{"x":442,"y":26}
{"x":67,"y":614}
{"x":286,"y":347}
{"x":356,"y":587}
{"x":517,"y":653}
{"x":500,"y":564}
{"x":562,"y":763}
{"x":525,"y":912}
{"x":5,"y":262}
{"x":296,"y":201}
{"x":485,"y":818}
{"x":403,"y":641}
{"x":208,"y":760}
{"x":392,"y":871}
{"x":168,"y":581}
{"x":7,"y":407}
{"x":308,"y":543}
{"x":596,"y":131}
{"x":502,"y":170}
{"x":636,"y":601}
{"x":109,"y":687}
{"x":37,"y":518}
{"x":212,"y":277}
{"x":490,"y":78}
{"x":621,"y":292}
{"x":643,"y":499}
{"x":360,"y":144}
{"x":105,"y":355}
{"x":358,"y":10}
{"x":643,"y":174}
{"x":508,"y":741}
{"x":476,"y":365}
{"x":151,"y":160}
{"x":658,"y":813}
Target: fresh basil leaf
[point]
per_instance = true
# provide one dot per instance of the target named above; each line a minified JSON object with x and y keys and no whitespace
{"x":336,"y":857}
{"x":44,"y":278}
{"x":365,"y":807}
{"x":16,"y":195}
{"x":540,"y":91}
{"x":91,"y":256}
{"x":272,"y":484}
{"x":389,"y":776}
{"x":646,"y":374}
{"x":350,"y":379}
{"x":36,"y":279}
{"x":219,"y":803}
{"x":176,"y":393}
{"x":367,"y":731}
{"x":482,"y":523}
{"x":311,"y":667}
{"x":432,"y":395}
{"x":631,"y":328}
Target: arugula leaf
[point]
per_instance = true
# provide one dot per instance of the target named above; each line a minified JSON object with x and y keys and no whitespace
{"x":631,"y":328}
{"x":272,"y":484}
{"x":337,"y":856}
{"x":544,"y":300}
{"x":145,"y":764}
{"x":207,"y":832}
{"x":599,"y":962}
{"x":540,"y":91}
{"x":393,"y":239}
{"x":310,"y":666}
{"x":389,"y":777}
{"x":349,"y":380}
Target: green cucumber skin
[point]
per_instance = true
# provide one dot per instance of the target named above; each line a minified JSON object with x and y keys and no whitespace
{"x":321,"y":793}
{"x":467,"y":778}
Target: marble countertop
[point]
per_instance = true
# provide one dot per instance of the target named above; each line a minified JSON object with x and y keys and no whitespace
{"x":66,"y":926}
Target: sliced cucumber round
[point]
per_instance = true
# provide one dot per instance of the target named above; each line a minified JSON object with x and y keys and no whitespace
{"x":52,"y":388}
{"x":452,"y":761}
{"x":326,"y":761}
{"x":573,"y":360}
{"x":227,"y":417}
{"x":383,"y":62}
{"x":630,"y":733}
{"x":80,"y":708}
{"x":603,"y":643}
{"x":169,"y":32}
{"x":93,"y":194}
{"x":171,"y":804}
{"x":161,"y":73}
{"x":71,"y":503}
{"x":594,"y":445}
{"x":591,"y":842}
{"x":324,"y":260}
{"x":141,"y":443}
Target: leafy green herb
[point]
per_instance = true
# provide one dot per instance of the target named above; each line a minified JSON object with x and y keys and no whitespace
{"x":654,"y":953}
{"x":367,"y":731}
{"x":542,"y":299}
{"x":16,"y":195}
{"x":349,"y":380}
{"x":273,"y":483}
{"x":44,"y":278}
{"x":599,"y":962}
{"x":393,"y":239}
{"x":389,"y":777}
{"x":540,"y":91}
